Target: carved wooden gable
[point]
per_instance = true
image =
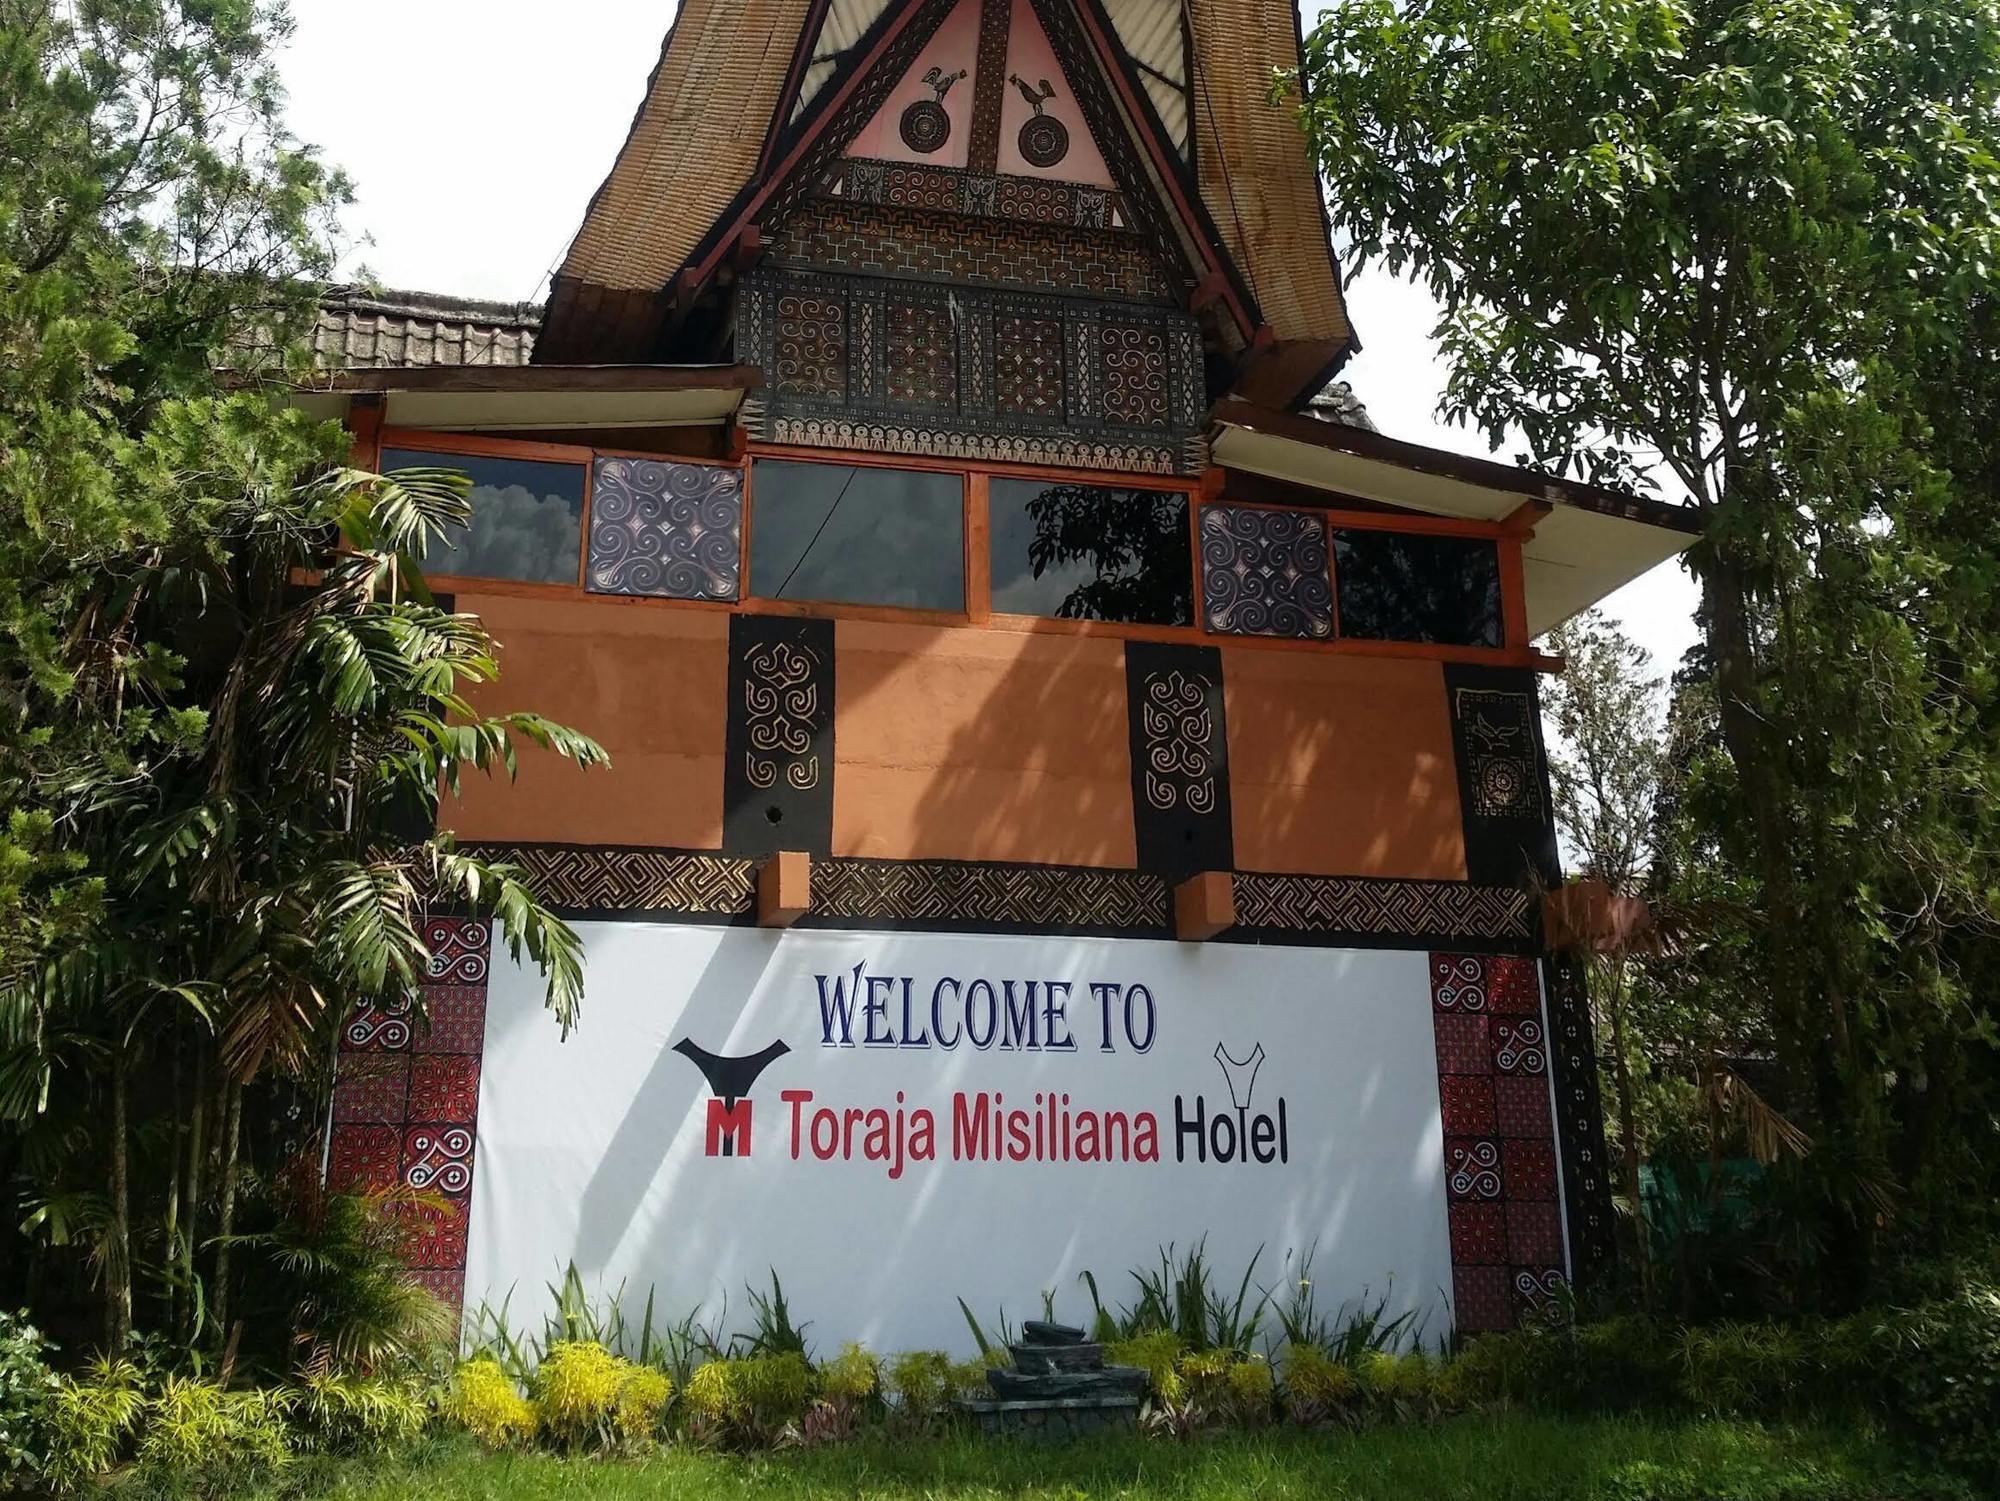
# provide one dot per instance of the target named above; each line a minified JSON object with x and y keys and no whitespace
{"x":973,"y":275}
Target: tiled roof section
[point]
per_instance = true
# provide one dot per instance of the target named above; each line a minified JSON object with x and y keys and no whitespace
{"x":1338,"y":403}
{"x":380,"y":329}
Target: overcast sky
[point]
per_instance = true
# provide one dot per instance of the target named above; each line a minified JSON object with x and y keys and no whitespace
{"x":476,"y":131}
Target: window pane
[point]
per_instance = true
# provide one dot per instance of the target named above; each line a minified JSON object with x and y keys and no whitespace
{"x":1085,"y":552}
{"x":1405,"y":588}
{"x":857,"y":535}
{"x":527,"y":517}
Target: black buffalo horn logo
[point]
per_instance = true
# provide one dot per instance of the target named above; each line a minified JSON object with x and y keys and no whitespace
{"x":730,"y":1078}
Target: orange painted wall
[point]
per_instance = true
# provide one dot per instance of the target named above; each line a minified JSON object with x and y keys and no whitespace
{"x":980,"y":745}
{"x":967,"y":744}
{"x":647,"y":684}
{"x":1341,"y":766}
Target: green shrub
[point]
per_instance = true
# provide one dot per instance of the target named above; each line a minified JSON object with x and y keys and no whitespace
{"x":353,"y":1414}
{"x":853,"y":1376}
{"x":196,"y":1431}
{"x":967,"y":1378}
{"x":27,"y":1392}
{"x":1402,"y":1385}
{"x":1158,"y":1355}
{"x":1316,"y":1386}
{"x":90,"y":1421}
{"x":921,"y":1382}
{"x":489,"y":1406}
{"x":774,"y":1389}
{"x":642,"y":1405}
{"x":1941,"y":1375}
{"x":752,"y":1401}
{"x":711,"y":1392}
{"x":576,"y":1391}
{"x":1745,"y":1367}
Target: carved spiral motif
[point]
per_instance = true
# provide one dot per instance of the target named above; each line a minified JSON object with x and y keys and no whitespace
{"x":781,"y":703}
{"x":1135,"y":376}
{"x":1180,"y":734}
{"x":925,"y":126}
{"x":811,"y":345}
{"x":1264,"y":572}
{"x":442,"y":1159}
{"x":1044,"y":140}
{"x":669,"y":530}
{"x":458,"y":952}
{"x":380,"y":1028}
{"x":1473,"y":1169}
{"x":1518,"y":1048}
{"x":1458,"y":982}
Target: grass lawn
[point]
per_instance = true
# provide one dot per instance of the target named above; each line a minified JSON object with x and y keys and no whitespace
{"x":1490,"y":1459}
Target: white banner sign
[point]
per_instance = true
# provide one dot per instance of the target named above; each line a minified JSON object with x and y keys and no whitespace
{"x":893,"y":1121}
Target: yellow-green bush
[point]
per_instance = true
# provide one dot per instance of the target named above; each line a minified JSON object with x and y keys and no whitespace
{"x":1248,"y":1389}
{"x":1158,"y":1355}
{"x":195,"y":1428}
{"x":920,"y":1381}
{"x":774,"y":1387}
{"x":89,"y":1422}
{"x":711,"y":1391}
{"x":1403,"y":1381}
{"x":967,"y":1378}
{"x":1315,"y":1383}
{"x":576,"y":1390}
{"x":348,"y":1413}
{"x":852,"y":1376}
{"x":642,"y":1402}
{"x":485,"y":1400}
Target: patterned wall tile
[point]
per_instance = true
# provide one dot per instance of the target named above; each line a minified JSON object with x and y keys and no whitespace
{"x":1264,"y":573}
{"x":408,"y":1113}
{"x":665,"y":530}
{"x":1501,"y":1185}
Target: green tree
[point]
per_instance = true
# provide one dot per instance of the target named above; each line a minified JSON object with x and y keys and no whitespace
{"x":222,"y":739}
{"x":1753,"y":242}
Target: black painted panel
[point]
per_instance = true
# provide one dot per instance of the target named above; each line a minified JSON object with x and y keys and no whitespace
{"x":1180,"y":758}
{"x":1496,"y":728}
{"x":777,"y":781}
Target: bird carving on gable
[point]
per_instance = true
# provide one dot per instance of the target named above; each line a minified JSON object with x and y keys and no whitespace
{"x":941,"y":81}
{"x":1047,"y":93}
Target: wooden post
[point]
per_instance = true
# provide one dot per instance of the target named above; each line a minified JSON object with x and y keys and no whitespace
{"x":784,"y":889}
{"x":1204,"y":905}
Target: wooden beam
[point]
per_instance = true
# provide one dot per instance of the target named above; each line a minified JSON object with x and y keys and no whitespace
{"x":1204,"y":905}
{"x":784,"y":889}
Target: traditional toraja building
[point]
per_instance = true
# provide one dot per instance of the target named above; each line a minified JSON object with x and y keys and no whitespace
{"x":1071,"y":792}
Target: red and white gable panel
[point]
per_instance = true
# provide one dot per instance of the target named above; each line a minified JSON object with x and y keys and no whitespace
{"x":930,"y":117}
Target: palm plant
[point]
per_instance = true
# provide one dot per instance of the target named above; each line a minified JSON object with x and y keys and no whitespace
{"x":288,"y":704}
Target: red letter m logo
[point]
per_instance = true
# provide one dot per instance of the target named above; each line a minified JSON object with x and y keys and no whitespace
{"x":728,"y":1129}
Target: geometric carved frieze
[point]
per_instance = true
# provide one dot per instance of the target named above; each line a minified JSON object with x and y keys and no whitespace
{"x":974,"y":895}
{"x":903,"y":365}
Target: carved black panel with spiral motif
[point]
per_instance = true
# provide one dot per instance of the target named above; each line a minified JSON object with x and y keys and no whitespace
{"x":1180,"y":758}
{"x":671,"y":531}
{"x":1502,"y":780}
{"x":778,"y":747}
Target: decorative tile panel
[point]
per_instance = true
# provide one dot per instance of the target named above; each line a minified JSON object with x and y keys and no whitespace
{"x":665,"y":530}
{"x":406,"y":1104}
{"x":1095,"y":387}
{"x":1502,"y":1189}
{"x":1264,"y":573}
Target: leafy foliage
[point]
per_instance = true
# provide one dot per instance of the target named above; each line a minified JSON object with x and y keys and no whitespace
{"x":1751,"y":243}
{"x":27,"y":1390}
